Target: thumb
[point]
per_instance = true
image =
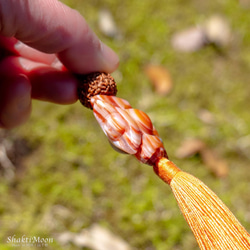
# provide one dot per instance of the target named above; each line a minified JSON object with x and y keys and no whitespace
{"x":52,"y":27}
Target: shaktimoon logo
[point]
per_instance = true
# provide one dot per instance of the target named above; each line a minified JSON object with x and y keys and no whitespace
{"x":35,"y":241}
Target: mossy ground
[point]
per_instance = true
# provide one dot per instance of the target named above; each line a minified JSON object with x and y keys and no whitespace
{"x":71,"y":178}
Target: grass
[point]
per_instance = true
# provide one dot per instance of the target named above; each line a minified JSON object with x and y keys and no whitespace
{"x":71,"y":178}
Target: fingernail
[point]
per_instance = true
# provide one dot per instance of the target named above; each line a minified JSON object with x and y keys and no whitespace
{"x":29,"y":65}
{"x":109,"y":57}
{"x":19,"y":45}
{"x":57,"y":64}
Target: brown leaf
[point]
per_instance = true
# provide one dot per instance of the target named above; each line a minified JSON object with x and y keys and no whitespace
{"x":218,"y":31}
{"x":206,"y":116}
{"x":107,"y":24}
{"x":160,"y":78}
{"x":95,"y":238}
{"x":212,"y":161}
{"x":189,"y":40}
{"x":216,"y":164}
{"x":6,"y":164}
{"x":189,"y":148}
{"x":245,"y":4}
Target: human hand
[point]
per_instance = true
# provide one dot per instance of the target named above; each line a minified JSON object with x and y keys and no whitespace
{"x":41,"y":42}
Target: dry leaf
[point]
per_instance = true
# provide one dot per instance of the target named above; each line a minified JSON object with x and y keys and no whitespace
{"x":217,"y":31}
{"x":160,"y":78}
{"x":206,"y":116}
{"x":107,"y":24}
{"x":212,"y":161}
{"x":6,"y":163}
{"x":95,"y":238}
{"x":217,"y":165}
{"x":243,"y":145}
{"x":245,"y":4}
{"x":189,"y":40}
{"x":189,"y":148}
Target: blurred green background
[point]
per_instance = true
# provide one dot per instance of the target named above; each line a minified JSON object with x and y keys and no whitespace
{"x":67,"y":177}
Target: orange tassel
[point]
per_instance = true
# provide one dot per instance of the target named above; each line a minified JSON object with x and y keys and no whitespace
{"x":213,"y":224}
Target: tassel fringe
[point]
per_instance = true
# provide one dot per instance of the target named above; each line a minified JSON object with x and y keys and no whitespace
{"x":213,"y":224}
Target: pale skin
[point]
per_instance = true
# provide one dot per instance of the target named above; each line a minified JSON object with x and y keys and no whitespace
{"x":42,"y":43}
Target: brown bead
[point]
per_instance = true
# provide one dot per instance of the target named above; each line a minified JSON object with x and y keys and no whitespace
{"x":95,"y":84}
